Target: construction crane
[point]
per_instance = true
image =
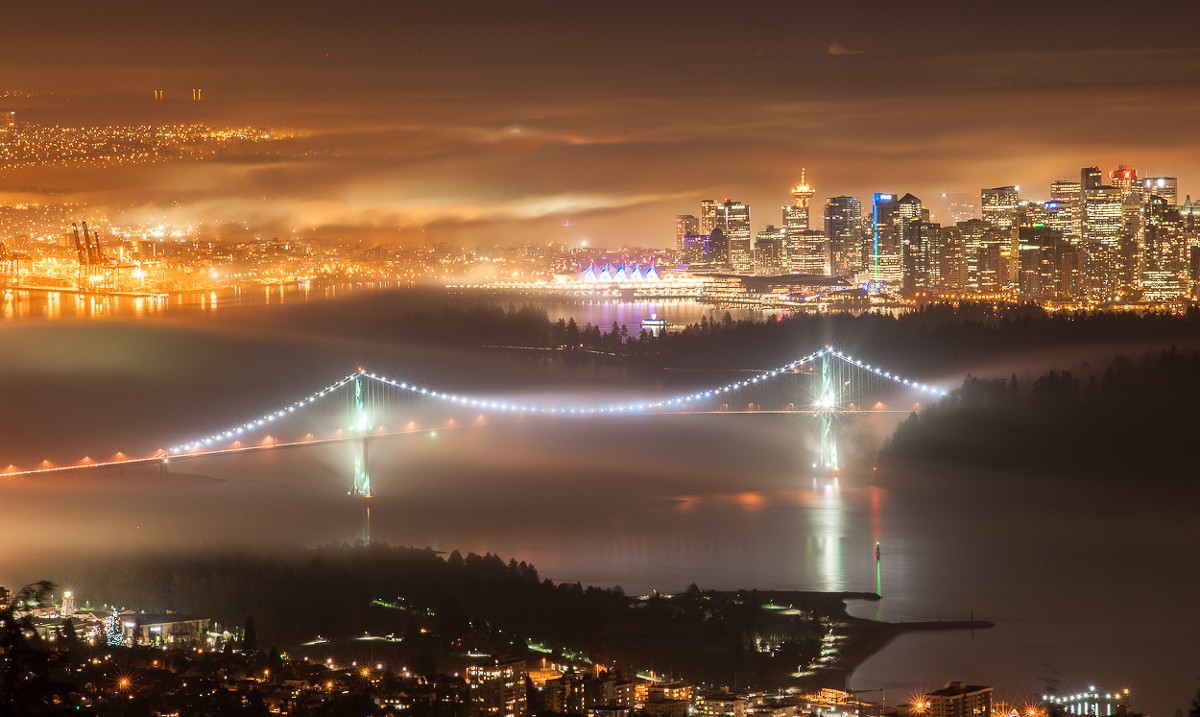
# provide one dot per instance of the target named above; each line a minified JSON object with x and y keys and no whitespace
{"x":91,"y":257}
{"x":8,"y":264}
{"x":80,"y":249}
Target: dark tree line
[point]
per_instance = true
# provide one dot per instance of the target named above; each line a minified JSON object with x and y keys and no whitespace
{"x":1127,"y":417}
{"x":438,"y":602}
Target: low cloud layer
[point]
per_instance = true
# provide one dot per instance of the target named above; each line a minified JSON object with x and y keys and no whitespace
{"x":493,"y":123}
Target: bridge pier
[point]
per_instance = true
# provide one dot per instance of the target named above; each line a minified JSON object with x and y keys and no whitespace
{"x":361,"y":484}
{"x":828,"y":404}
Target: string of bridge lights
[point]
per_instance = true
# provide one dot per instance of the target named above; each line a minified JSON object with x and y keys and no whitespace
{"x":265,"y":419}
{"x":489,"y":404}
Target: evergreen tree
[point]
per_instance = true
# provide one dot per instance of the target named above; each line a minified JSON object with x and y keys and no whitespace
{"x":249,"y":637}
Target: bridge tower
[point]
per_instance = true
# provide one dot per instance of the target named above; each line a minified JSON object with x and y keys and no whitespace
{"x":827,"y":404}
{"x":362,"y":424}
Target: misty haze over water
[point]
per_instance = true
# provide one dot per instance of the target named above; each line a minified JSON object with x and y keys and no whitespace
{"x":1081,"y":577}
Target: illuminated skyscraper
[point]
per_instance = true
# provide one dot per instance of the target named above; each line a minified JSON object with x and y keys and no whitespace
{"x":770,"y":251}
{"x":1125,"y":179}
{"x":685,"y":225}
{"x":733,"y":219}
{"x":843,"y":230}
{"x":1063,"y":211}
{"x":914,"y":256}
{"x":1164,"y":269}
{"x":885,"y":248}
{"x":708,"y":216}
{"x":999,"y":205}
{"x":1165,"y":187}
{"x":1102,"y":222}
{"x":972,"y":234}
{"x":796,"y":222}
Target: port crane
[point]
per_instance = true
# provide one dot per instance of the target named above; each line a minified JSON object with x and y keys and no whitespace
{"x":10,"y":274}
{"x":96,"y":271}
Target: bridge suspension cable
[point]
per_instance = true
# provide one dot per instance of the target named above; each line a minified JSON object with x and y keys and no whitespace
{"x":493,"y":404}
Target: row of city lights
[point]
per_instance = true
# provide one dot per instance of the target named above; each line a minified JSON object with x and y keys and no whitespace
{"x":493,"y":405}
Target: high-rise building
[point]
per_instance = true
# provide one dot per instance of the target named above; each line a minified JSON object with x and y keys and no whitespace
{"x":914,"y":256}
{"x":885,"y":246}
{"x":708,"y":216}
{"x":1102,"y":224}
{"x":972,"y":235}
{"x":999,"y":205}
{"x":843,"y":230}
{"x":951,"y":262}
{"x":796,"y":222}
{"x":1125,"y":179}
{"x":1164,"y":274}
{"x":718,"y":249}
{"x":814,"y":253}
{"x":1063,"y":211}
{"x":733,"y":219}
{"x":498,"y":689}
{"x":685,"y":225}
{"x":1048,"y":265}
{"x":802,"y":194}
{"x":770,"y":251}
{"x":1165,"y":187}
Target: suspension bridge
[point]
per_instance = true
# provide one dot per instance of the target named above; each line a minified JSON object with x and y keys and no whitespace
{"x":837,"y":383}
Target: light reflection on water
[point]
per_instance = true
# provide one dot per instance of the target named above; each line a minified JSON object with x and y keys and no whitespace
{"x":51,"y":304}
{"x":1084,"y":579}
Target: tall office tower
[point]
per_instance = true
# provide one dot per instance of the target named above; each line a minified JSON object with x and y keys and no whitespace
{"x":999,"y":205}
{"x":843,"y":230}
{"x":733,"y":219}
{"x":718,"y":249}
{"x":1102,"y":220}
{"x":696,"y":250}
{"x":1133,"y":224}
{"x":1063,"y":210}
{"x":951,"y":261}
{"x":972,"y":233}
{"x":914,"y":256}
{"x":770,"y":250}
{"x":1089,"y":178}
{"x":927,"y":276}
{"x":708,"y":216}
{"x":795,"y":223}
{"x":1125,"y":179}
{"x":686,"y":225}
{"x":1165,"y":187}
{"x":1164,"y":273}
{"x":814,"y":253}
{"x":885,"y":239}
{"x":498,"y":689}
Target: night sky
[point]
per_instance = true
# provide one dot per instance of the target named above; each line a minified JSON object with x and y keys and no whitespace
{"x":479,"y":123}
